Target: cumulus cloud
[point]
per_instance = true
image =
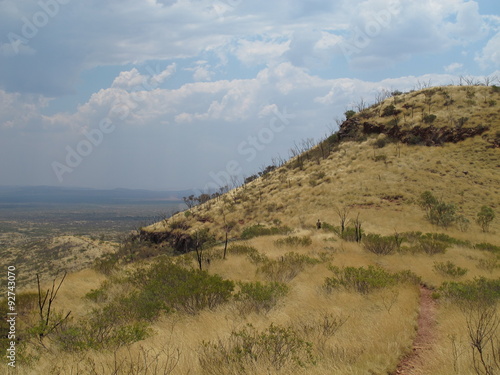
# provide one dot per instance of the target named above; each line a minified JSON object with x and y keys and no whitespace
{"x":490,"y":55}
{"x":453,"y":67}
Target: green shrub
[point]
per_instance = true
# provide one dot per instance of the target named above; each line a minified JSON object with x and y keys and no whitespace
{"x":442,"y":214}
{"x":166,"y":286}
{"x":484,"y":218}
{"x":259,"y":297}
{"x":488,"y":247}
{"x":381,"y":157}
{"x":98,"y":295}
{"x":479,"y":290}
{"x":365,"y":280}
{"x":293,"y":241}
{"x":179,"y":224}
{"x":106,"y":264}
{"x":442,"y":237}
{"x":390,"y":110}
{"x":286,"y":268}
{"x":429,"y":119}
{"x":241,"y":249}
{"x":260,"y":230}
{"x":488,"y":264}
{"x":431,"y":246}
{"x":380,"y":142}
{"x":275,"y":348}
{"x":379,"y":245}
{"x":449,"y":269}
{"x":350,"y":234}
{"x":109,"y":327}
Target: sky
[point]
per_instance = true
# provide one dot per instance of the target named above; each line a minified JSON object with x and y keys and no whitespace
{"x":197,"y":94}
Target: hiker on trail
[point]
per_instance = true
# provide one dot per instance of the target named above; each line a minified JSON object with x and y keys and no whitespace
{"x":318,"y":224}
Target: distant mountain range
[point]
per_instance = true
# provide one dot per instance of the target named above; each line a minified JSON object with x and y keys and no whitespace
{"x":58,"y":195}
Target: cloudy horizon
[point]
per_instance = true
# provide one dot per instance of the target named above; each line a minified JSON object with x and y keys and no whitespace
{"x":171,"y":95}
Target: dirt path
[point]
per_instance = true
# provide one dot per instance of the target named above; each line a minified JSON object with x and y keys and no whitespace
{"x":412,"y":364}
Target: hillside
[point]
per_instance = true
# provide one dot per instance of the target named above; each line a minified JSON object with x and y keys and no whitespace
{"x":286,"y":297}
{"x":377,"y":168}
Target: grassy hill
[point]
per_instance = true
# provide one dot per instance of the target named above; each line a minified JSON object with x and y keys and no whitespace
{"x":285,"y":297}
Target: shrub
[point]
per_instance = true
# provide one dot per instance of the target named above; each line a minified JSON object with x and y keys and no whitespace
{"x":166,"y":286}
{"x":381,"y":157}
{"x":293,"y":241}
{"x":380,"y":142}
{"x":463,"y":223}
{"x":274,"y":349}
{"x":429,"y":119}
{"x":449,"y":269}
{"x":427,"y":201}
{"x":350,"y":234}
{"x":488,"y":264}
{"x":106,"y":264}
{"x":179,"y":224}
{"x":488,"y":247}
{"x":431,"y":246}
{"x":98,"y":295}
{"x":365,"y":280}
{"x":484,"y":218}
{"x":390,"y":110}
{"x":109,"y":327}
{"x":260,"y":230}
{"x":260,"y":297}
{"x":379,"y":245}
{"x":241,"y":249}
{"x":349,"y":114}
{"x":479,"y":290}
{"x":442,"y":237}
{"x":442,"y":214}
{"x":286,"y":268}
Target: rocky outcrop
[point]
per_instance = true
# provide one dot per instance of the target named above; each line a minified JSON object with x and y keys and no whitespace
{"x":353,"y":129}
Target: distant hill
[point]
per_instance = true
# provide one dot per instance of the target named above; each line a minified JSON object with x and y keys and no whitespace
{"x":442,"y":139}
{"x":51,"y":194}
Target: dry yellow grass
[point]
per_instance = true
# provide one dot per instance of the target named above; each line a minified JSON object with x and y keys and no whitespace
{"x":380,"y":326}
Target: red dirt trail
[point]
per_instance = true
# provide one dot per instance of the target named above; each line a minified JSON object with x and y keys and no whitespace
{"x":412,"y":363}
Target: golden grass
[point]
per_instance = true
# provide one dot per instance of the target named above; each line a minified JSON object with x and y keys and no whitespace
{"x":380,"y":326}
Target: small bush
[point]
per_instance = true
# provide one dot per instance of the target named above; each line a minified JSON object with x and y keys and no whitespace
{"x":106,"y":264}
{"x":379,"y":245}
{"x":241,"y":249}
{"x":293,"y":241}
{"x":431,"y":246}
{"x":488,"y":264}
{"x":442,"y":214}
{"x":479,"y":290}
{"x":390,"y":110}
{"x":260,"y":297}
{"x":429,"y":119}
{"x":98,"y":295}
{"x":365,"y":280}
{"x":247,"y":350}
{"x":488,"y":247}
{"x":260,"y":230}
{"x":449,"y":269}
{"x":381,"y":157}
{"x":380,"y":142}
{"x":350,"y":234}
{"x":166,"y":286}
{"x":257,"y":258}
{"x":484,"y":218}
{"x":286,"y":268}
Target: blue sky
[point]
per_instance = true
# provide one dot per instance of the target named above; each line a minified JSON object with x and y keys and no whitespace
{"x":180,"y":94}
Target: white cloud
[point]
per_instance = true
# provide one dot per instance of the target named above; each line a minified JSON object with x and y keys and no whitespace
{"x":453,"y":67}
{"x":260,"y":52}
{"x":490,"y":55}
